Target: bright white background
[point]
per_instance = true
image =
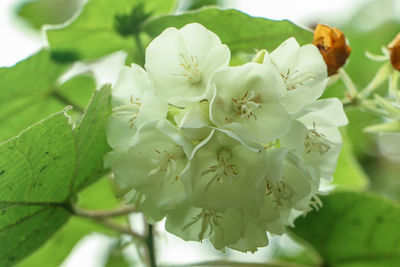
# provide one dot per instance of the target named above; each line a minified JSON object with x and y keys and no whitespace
{"x":17,"y":41}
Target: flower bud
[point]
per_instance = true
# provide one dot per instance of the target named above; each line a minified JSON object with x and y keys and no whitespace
{"x":332,"y":45}
{"x":394,"y":49}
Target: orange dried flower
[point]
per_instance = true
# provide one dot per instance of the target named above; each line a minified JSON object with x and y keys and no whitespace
{"x":332,"y":45}
{"x":394,"y":49}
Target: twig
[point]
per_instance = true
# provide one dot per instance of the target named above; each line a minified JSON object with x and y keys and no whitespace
{"x":150,"y":246}
{"x":233,"y":263}
{"x":105,"y":213}
{"x":118,"y":228}
{"x":101,"y":218}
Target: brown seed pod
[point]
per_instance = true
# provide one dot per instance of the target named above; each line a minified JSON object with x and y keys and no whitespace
{"x":332,"y":45}
{"x":394,"y":49}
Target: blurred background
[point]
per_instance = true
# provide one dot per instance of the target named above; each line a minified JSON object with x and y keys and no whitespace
{"x":367,"y":161}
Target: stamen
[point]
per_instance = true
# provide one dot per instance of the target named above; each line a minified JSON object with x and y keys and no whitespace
{"x":316,"y":141}
{"x":191,"y":69}
{"x":294,"y":79}
{"x":129,"y":111}
{"x":280,"y":191}
{"x":209,"y":219}
{"x":247,"y":105}
{"x":223,"y":169}
{"x":165,"y":162}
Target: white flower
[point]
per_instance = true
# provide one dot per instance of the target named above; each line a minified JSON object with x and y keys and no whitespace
{"x":255,"y":236}
{"x":315,"y":137}
{"x":194,"y":120}
{"x":224,"y":173}
{"x":190,"y":223}
{"x":303,"y":71}
{"x":180,"y":62}
{"x":291,"y":190}
{"x":154,"y":163}
{"x":134,"y":104}
{"x":246,"y":102}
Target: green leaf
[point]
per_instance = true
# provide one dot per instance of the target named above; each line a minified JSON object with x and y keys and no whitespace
{"x":56,"y":250}
{"x":35,"y":168}
{"x":62,"y":243}
{"x":238,"y":30}
{"x":23,"y":228}
{"x":40,"y":12}
{"x":30,"y":91}
{"x":91,"y":140}
{"x":96,"y":32}
{"x":41,"y":169}
{"x":353,"y":230}
{"x":348,"y":173}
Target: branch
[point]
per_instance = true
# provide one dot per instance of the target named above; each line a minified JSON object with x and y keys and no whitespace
{"x":119,"y":228}
{"x":103,"y":214}
{"x":233,"y":263}
{"x":101,"y":218}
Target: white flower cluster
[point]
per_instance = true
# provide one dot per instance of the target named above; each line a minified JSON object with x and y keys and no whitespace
{"x":224,"y":153}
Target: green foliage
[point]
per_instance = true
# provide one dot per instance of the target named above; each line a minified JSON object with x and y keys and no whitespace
{"x":104,"y":27}
{"x":25,"y":226}
{"x":41,"y":169}
{"x":61,"y":244}
{"x":97,"y":196}
{"x":51,"y":163}
{"x":30,"y":91}
{"x":348,"y":173}
{"x":238,"y":30}
{"x":353,"y":230}
{"x":91,"y":141}
{"x":40,"y":12}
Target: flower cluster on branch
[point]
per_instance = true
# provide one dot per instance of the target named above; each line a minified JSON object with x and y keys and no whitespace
{"x":224,"y":153}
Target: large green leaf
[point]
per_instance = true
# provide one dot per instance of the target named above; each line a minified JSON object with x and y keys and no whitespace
{"x":91,"y":140}
{"x":30,"y":91}
{"x":238,"y":30}
{"x":353,"y":230}
{"x":36,"y":169}
{"x":40,"y":12}
{"x":41,"y":169}
{"x":95,"y":32}
{"x":100,"y":196}
{"x":23,"y":228}
{"x":37,"y":166}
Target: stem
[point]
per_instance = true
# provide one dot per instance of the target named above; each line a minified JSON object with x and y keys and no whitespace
{"x":393,"y":79}
{"x":140,"y":49}
{"x":351,"y":88}
{"x":379,"y":78}
{"x":66,"y":101}
{"x":233,"y":263}
{"x":119,"y":228}
{"x":150,"y":245}
{"x":100,"y":217}
{"x":103,"y":214}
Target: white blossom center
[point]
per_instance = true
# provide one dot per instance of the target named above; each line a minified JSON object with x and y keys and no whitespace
{"x":316,"y":141}
{"x":223,"y":169}
{"x":280,"y":191}
{"x":209,"y":220}
{"x":128,"y":111}
{"x":165,"y":162}
{"x":293,"y":79}
{"x":247,"y":105}
{"x":191,"y":69}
